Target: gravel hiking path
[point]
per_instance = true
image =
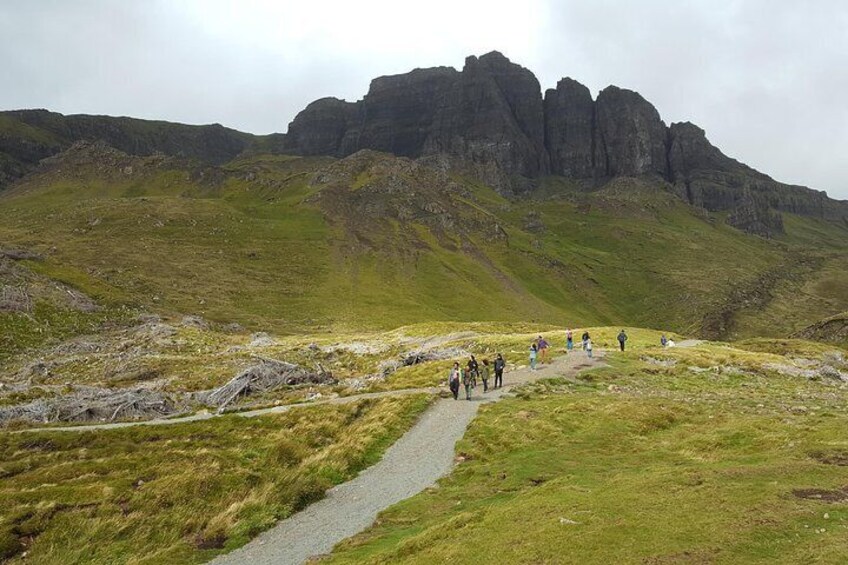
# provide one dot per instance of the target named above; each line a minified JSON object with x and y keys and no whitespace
{"x":416,"y":461}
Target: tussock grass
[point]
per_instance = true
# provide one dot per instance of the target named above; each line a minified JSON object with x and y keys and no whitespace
{"x":182,"y":493}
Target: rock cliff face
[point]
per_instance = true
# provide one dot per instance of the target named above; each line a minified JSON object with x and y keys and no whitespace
{"x":321,"y":127}
{"x":490,"y":118}
{"x":705,"y":177}
{"x":630,"y":137}
{"x":489,"y":114}
{"x":570,"y":129}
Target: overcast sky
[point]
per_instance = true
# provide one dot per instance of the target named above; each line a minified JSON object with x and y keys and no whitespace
{"x":766,"y":79}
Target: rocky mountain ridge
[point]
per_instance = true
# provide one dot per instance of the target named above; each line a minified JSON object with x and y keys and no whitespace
{"x":490,"y":121}
{"x":492,"y":117}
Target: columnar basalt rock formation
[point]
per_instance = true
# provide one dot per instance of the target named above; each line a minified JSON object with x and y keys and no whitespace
{"x":570,"y":130}
{"x":492,"y":116}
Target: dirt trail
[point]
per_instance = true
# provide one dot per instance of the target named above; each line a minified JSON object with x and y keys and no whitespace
{"x":416,"y":461}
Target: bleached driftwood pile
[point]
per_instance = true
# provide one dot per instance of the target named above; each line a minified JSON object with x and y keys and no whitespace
{"x":264,"y":376}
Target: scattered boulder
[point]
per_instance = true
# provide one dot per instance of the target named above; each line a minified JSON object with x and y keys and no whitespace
{"x":20,"y":255}
{"x":194,"y":322}
{"x":261,"y":339}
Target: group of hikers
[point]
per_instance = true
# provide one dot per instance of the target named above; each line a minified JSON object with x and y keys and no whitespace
{"x":467,"y":376}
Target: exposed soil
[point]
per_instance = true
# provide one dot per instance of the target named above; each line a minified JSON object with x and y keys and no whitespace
{"x":824,"y":495}
{"x":831,"y":457}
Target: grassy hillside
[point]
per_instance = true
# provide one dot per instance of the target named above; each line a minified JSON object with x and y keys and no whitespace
{"x":287,"y":244}
{"x":717,"y":454}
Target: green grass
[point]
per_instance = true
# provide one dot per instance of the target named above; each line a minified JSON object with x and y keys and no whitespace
{"x":800,"y":301}
{"x":652,"y":463}
{"x":264,"y":246}
{"x":181,"y":493}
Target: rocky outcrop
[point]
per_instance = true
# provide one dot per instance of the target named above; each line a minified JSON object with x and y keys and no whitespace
{"x":630,"y":137}
{"x":399,"y":112}
{"x":751,"y":213}
{"x":493,"y":116}
{"x":321,"y":127}
{"x":569,"y":129}
{"x":490,"y":120}
{"x":830,"y":330}
{"x":490,"y":116}
{"x":707,"y":178}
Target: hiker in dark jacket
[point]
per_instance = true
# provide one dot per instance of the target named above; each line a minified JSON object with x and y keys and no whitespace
{"x":622,"y":337}
{"x":474,"y":369}
{"x":454,"y":379}
{"x":467,"y":380}
{"x":585,"y":339}
{"x":484,"y":374}
{"x":500,"y":364}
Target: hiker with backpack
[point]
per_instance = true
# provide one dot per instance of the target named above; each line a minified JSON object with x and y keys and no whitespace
{"x":542,"y":344}
{"x":467,"y":380}
{"x":484,"y":374}
{"x":588,"y":346}
{"x":453,"y":380}
{"x":622,"y":337}
{"x":585,"y":339}
{"x":533,"y":353}
{"x":663,"y":340}
{"x":500,"y":364}
{"x":474,"y":370}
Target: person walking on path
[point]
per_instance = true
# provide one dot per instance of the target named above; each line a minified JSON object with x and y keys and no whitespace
{"x":533,"y":353}
{"x":474,"y":369}
{"x":588,"y":346}
{"x":622,"y":337}
{"x":453,"y":380}
{"x":585,"y":339}
{"x":663,"y":340}
{"x":569,"y":340}
{"x":467,"y":380}
{"x":543,"y":349}
{"x":500,"y":364}
{"x":484,"y":374}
